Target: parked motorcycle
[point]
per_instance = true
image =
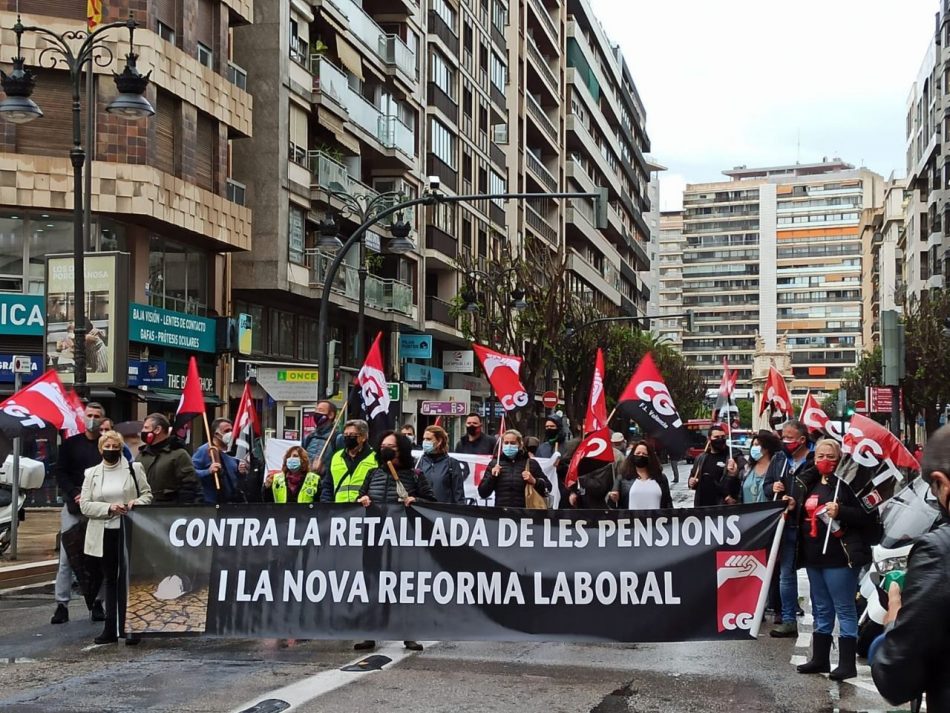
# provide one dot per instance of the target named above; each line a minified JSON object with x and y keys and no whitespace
{"x":32,"y":473}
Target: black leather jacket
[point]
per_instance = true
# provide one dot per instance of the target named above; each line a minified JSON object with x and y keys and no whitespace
{"x":913,"y":657}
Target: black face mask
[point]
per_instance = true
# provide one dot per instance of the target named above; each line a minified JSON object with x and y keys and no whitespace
{"x":641,"y":461}
{"x":551,"y":434}
{"x":111,"y":457}
{"x":472,"y":430}
{"x":350,"y":442}
{"x":387,"y":454}
{"x":718,"y":444}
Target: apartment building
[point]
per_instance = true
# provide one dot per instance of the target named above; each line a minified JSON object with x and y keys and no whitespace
{"x":166,"y":210}
{"x":882,"y":288}
{"x":668,"y":271}
{"x":773,"y":252}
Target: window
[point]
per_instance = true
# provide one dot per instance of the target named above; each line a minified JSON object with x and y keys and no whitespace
{"x":442,"y":142}
{"x":496,"y":184}
{"x":205,"y":55}
{"x":499,"y":15}
{"x":299,"y":120}
{"x":442,"y":76}
{"x":296,"y":235}
{"x":177,"y":276}
{"x":498,"y":71}
{"x":445,"y":11}
{"x":165,"y":32}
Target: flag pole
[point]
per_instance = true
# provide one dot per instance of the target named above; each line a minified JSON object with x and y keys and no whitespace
{"x":336,"y":424}
{"x":824,"y":550}
{"x":212,"y":449}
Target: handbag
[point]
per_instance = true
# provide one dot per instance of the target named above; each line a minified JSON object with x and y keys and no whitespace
{"x":533,"y":500}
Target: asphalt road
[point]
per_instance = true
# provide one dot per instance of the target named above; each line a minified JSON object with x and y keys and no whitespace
{"x":56,"y":668}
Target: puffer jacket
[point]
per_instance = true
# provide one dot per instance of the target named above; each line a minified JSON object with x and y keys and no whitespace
{"x":622,"y":485}
{"x":381,"y":486}
{"x":508,"y":485}
{"x":912,"y":658}
{"x":446,"y":477}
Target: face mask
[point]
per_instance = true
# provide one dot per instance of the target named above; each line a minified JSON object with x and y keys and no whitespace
{"x":428,"y":446}
{"x":510,"y":450}
{"x":551,"y":434}
{"x":350,"y":442}
{"x":641,"y":461}
{"x":718,"y":444}
{"x":226,"y":438}
{"x":93,"y":423}
{"x":387,"y":454}
{"x":472,"y":430}
{"x":755,"y":452}
{"x":111,"y":457}
{"x":147,"y":437}
{"x":321,"y":419}
{"x":790,"y":446}
{"x":826,"y":467}
{"x":293,"y":463}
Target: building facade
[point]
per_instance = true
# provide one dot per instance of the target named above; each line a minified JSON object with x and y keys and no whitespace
{"x":668,"y":272}
{"x":777,"y":252}
{"x":882,"y":286}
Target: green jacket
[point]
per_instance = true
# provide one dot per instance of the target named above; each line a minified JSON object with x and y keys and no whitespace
{"x":308,"y":488}
{"x":347,"y":483}
{"x":170,"y":473}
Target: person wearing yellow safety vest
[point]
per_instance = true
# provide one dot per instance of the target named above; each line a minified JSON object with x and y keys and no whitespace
{"x":294,"y":482}
{"x":349,"y":466}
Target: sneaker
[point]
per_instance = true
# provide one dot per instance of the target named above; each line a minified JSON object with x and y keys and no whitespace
{"x":61,"y":616}
{"x":785,"y":630}
{"x":364,"y":645}
{"x":97,"y":613}
{"x":412,"y":645}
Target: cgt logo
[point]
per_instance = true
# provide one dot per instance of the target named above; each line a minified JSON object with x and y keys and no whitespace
{"x":657,"y":393}
{"x":864,"y":451}
{"x":512,"y":401}
{"x":740,"y":577}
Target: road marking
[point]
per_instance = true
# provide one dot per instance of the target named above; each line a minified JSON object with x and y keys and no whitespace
{"x":304,"y":690}
{"x":803,"y":641}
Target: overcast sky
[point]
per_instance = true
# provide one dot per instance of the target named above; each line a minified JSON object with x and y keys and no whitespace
{"x":759,"y":82}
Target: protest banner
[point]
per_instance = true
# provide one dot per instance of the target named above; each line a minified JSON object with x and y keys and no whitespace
{"x":451,"y":572}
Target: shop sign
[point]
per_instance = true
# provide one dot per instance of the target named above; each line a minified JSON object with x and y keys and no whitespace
{"x":288,"y":384}
{"x":245,"y":333}
{"x":22,"y":315}
{"x":459,"y":361}
{"x":147,"y":373}
{"x":432,"y":377}
{"x":415,"y":346}
{"x":6,"y":369}
{"x":177,"y":375}
{"x":162,"y":327}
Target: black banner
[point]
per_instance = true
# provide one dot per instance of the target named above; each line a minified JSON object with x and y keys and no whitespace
{"x":451,"y":573}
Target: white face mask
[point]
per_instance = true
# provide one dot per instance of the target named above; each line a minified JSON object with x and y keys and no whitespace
{"x":226,"y":438}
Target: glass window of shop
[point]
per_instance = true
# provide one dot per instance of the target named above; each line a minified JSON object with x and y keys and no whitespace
{"x":177,"y":276}
{"x":26,"y":238}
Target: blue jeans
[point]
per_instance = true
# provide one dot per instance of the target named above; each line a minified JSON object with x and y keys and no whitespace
{"x":788,"y":577}
{"x":833,"y":591}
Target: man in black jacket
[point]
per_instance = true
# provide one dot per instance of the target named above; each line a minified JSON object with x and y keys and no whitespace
{"x":75,"y":455}
{"x":912,"y":657}
{"x":475,"y":442}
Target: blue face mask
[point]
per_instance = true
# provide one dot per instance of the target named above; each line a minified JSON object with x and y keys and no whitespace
{"x":293,"y":464}
{"x":428,"y":446}
{"x":755,"y":452}
{"x":510,"y":450}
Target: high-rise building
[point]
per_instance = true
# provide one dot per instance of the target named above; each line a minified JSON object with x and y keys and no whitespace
{"x":881,"y":283}
{"x":668,"y":270}
{"x":773,"y":254}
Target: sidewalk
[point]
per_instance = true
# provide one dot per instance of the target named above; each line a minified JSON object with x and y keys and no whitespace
{"x":36,"y":560}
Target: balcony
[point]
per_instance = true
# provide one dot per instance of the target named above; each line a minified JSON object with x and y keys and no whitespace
{"x":542,"y":64}
{"x":445,"y":33}
{"x":381,"y":294}
{"x":443,"y":102}
{"x":439,"y":311}
{"x":394,"y":134}
{"x":539,"y":115}
{"x":448,"y":175}
{"x":540,"y":172}
{"x":546,"y":21}
{"x":329,"y":80}
{"x":388,"y":48}
{"x":534,"y":220}
{"x":438,"y":239}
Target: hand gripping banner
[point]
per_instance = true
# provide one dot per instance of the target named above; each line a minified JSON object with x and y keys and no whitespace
{"x":451,"y":573}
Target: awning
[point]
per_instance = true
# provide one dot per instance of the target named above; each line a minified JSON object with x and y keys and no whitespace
{"x":337,"y":128}
{"x":160,"y":395}
{"x":349,"y":57}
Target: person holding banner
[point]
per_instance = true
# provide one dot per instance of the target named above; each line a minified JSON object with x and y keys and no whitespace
{"x":168,"y":467}
{"x":640,"y":483}
{"x":109,"y":491}
{"x":225,"y":466}
{"x":833,"y":548}
{"x":509,"y":472}
{"x":443,"y":472}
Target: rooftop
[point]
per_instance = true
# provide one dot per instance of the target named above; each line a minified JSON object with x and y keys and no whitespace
{"x":796,"y":169}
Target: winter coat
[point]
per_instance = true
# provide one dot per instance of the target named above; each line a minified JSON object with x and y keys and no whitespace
{"x":715,"y":484}
{"x":508,"y":485}
{"x":484,"y":445}
{"x":76,"y":454}
{"x":623,"y":485}
{"x":912,"y":658}
{"x":227,"y":476}
{"x":446,"y":477}
{"x":381,"y":486}
{"x":592,"y":487}
{"x":97,"y":509}
{"x":314,"y":442}
{"x":170,"y":473}
{"x":548,"y":449}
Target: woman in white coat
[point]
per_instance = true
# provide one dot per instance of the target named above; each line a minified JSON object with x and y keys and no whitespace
{"x":110,"y":490}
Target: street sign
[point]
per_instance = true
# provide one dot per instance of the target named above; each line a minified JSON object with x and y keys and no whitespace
{"x":880,"y":399}
{"x":549,"y":399}
{"x":393,"y":391}
{"x":22,"y":365}
{"x":443,"y":408}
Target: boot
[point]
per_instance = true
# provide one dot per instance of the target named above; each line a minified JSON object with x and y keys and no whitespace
{"x":61,"y":616}
{"x":364,"y":645}
{"x":97,"y":613}
{"x":412,"y":645}
{"x":847,"y":650}
{"x":106,"y":637}
{"x":820,"y":649}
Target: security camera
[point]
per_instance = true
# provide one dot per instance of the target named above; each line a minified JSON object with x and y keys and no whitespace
{"x":435,"y":184}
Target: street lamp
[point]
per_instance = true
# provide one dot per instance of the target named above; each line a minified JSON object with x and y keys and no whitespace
{"x":19,"y":108}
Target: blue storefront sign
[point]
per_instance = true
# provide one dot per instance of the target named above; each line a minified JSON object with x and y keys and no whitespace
{"x":164,"y":328}
{"x":432,"y":377}
{"x":6,"y":369}
{"x":22,"y":314}
{"x":147,"y":373}
{"x":415,"y":346}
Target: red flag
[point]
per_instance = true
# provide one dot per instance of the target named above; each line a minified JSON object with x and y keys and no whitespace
{"x":438,"y":421}
{"x":870,"y":444}
{"x":815,"y":418}
{"x":647,"y":400}
{"x":727,"y":386}
{"x":597,"y":403}
{"x":776,"y":395}
{"x":374,"y":390}
{"x":41,"y":404}
{"x":502,"y":372}
{"x":595,"y":447}
{"x":246,"y":425}
{"x":192,"y":403}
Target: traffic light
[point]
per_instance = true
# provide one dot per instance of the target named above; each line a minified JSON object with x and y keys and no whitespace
{"x":690,"y":320}
{"x":600,"y":209}
{"x":849,"y":410}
